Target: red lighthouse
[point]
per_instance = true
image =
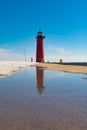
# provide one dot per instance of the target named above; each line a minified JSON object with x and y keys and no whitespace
{"x":40,"y":47}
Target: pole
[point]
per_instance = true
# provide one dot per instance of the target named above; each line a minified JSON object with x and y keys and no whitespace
{"x":25,"y":55}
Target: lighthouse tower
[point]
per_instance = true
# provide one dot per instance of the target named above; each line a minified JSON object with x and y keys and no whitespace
{"x":40,"y":47}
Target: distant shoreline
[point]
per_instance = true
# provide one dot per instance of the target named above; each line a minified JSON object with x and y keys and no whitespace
{"x":80,"y":68}
{"x":71,"y":63}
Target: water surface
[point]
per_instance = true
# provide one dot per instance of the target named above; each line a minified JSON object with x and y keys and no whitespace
{"x":37,"y":99}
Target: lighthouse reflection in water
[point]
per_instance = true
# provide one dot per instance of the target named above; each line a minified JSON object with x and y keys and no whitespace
{"x":40,"y":80}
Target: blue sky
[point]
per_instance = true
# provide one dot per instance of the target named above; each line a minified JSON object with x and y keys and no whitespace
{"x":63,"y":22}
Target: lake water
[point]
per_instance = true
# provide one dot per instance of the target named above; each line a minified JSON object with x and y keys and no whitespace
{"x":37,"y":99}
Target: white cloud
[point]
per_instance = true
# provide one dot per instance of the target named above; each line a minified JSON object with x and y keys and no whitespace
{"x":8,"y":54}
{"x":66,"y":58}
{"x":52,"y":53}
{"x":55,"y":53}
{"x":55,"y":48}
{"x":4,"y":50}
{"x":4,"y":53}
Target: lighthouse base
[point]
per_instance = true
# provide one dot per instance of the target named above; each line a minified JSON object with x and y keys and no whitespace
{"x":40,"y":60}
